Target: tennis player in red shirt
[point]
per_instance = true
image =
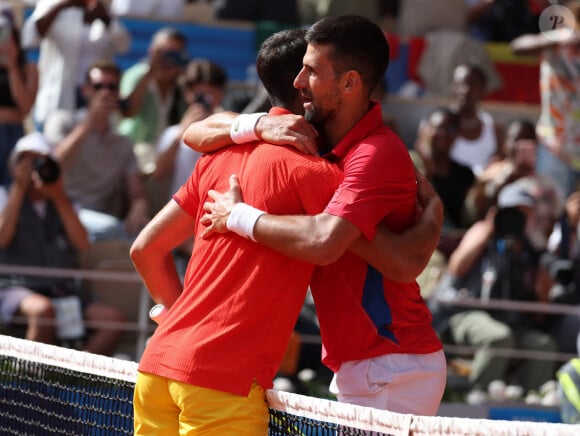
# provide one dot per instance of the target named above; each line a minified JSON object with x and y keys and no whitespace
{"x":222,"y":340}
{"x":376,"y":333}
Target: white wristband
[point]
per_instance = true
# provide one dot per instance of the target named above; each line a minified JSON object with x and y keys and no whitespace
{"x":243,"y":129}
{"x":242,"y":220}
{"x":157,"y":313}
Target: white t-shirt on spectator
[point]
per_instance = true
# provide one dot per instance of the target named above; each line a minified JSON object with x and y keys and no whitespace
{"x":151,"y":8}
{"x":185,"y":159}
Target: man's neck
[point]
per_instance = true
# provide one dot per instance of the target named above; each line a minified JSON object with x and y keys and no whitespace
{"x":346,"y":118}
{"x":102,"y":127}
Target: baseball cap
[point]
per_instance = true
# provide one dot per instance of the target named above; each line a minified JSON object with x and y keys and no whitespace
{"x":519,"y":193}
{"x":33,"y":142}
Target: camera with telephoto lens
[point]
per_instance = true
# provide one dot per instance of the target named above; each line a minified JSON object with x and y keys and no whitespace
{"x":47,"y":169}
{"x":204,"y":99}
{"x":510,"y":224}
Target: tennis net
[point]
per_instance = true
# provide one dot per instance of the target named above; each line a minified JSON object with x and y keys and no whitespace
{"x":48,"y":390}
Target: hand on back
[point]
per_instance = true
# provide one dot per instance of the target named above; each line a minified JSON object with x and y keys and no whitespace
{"x":288,"y":129}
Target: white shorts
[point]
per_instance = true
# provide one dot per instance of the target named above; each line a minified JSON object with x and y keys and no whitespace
{"x":402,"y":383}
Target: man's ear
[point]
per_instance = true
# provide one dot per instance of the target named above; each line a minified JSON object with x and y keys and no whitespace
{"x":351,"y":80}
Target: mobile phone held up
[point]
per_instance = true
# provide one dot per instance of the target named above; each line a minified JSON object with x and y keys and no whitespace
{"x":176,"y":57}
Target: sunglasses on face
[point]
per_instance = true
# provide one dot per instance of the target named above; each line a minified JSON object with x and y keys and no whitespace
{"x":109,"y":86}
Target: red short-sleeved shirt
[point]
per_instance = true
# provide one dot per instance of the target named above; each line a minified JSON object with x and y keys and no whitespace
{"x":240,"y":299}
{"x":361,"y":313}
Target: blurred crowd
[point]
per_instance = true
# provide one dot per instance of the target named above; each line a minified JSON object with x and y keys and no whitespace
{"x":90,"y":153}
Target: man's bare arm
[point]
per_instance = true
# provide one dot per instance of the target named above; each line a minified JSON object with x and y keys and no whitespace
{"x":152,"y":252}
{"x":213,"y":133}
{"x":323,"y":238}
{"x":320,"y":239}
{"x":533,"y":44}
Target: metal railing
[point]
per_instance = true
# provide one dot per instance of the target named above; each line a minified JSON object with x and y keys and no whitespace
{"x":142,"y":327}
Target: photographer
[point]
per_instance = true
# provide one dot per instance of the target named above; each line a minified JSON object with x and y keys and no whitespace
{"x":497,"y":260}
{"x":99,"y":164}
{"x":154,"y":102}
{"x":203,"y":85}
{"x":40,"y":228}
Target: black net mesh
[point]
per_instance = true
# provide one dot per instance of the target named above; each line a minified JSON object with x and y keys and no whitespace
{"x":36,"y":398}
{"x":47,"y":390}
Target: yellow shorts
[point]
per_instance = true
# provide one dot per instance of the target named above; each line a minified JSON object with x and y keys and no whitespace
{"x":167,"y":407}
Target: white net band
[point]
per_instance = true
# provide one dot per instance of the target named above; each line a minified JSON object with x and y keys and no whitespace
{"x":70,"y":392}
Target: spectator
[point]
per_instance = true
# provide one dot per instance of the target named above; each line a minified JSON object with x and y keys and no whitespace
{"x":71,"y":35}
{"x":558,"y":128}
{"x":154,"y":103}
{"x":451,"y":180}
{"x":100,"y":168}
{"x":203,"y":86}
{"x":495,"y":259}
{"x":40,"y":228}
{"x":18,"y":85}
{"x":154,"y":98}
{"x":564,"y":238}
{"x":520,"y":148}
{"x":479,"y":137}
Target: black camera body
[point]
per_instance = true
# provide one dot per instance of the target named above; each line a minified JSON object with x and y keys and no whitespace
{"x":510,"y":224}
{"x":204,"y":100}
{"x":47,"y":169}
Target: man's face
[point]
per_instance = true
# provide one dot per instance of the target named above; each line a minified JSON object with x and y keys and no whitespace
{"x":103,"y":85}
{"x":442,"y":133}
{"x":522,"y":146}
{"x":467,"y":86}
{"x":524,"y":156}
{"x":164,"y":55}
{"x":319,"y":86}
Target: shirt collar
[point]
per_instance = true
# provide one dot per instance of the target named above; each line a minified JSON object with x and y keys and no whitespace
{"x":372,"y":120}
{"x":277,"y":110}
